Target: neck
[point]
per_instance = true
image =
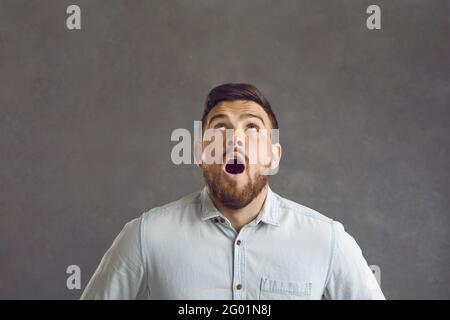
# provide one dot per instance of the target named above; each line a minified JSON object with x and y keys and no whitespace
{"x":240,"y":217}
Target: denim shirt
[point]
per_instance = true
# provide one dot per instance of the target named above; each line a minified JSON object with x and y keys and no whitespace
{"x":188,"y":250}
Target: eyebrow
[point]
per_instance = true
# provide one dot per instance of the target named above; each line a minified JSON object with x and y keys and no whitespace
{"x":246,"y":115}
{"x":250,"y":115}
{"x":220,"y":115}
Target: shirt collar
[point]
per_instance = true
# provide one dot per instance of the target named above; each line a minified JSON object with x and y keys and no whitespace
{"x":268,"y":214}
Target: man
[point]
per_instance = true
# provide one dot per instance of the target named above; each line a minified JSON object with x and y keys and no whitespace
{"x":235,"y":239}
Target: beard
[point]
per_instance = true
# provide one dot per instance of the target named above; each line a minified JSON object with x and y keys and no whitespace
{"x":227,"y":191}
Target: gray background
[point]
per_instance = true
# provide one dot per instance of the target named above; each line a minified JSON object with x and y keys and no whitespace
{"x":86,"y":118}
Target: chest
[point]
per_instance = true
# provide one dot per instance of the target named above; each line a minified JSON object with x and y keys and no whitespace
{"x":252,"y":265}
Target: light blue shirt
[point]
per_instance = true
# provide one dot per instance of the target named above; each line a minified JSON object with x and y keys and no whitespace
{"x":188,"y":250}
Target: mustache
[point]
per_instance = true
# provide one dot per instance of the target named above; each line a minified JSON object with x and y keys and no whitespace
{"x":235,"y":154}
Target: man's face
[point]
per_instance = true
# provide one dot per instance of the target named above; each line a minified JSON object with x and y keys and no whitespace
{"x":242,"y":130}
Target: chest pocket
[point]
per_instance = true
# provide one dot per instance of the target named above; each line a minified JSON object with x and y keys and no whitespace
{"x":274,"y":289}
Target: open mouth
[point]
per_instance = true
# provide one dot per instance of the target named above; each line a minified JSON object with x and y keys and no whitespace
{"x":234,"y":166}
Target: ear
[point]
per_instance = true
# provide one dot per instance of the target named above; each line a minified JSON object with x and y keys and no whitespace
{"x":275,"y":161}
{"x":277,"y":151}
{"x":198,"y":153}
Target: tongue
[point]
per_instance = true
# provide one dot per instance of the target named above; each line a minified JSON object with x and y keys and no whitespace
{"x":234,"y":168}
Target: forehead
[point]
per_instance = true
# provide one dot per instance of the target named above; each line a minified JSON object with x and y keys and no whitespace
{"x":237,"y":108}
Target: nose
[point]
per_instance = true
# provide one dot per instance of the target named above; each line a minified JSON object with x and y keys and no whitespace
{"x":235,"y":139}
{"x":239,"y":143}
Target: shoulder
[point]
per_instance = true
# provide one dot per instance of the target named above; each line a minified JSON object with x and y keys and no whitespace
{"x":295,"y":210}
{"x":309,"y":219}
{"x":171,"y":211}
{"x":156,"y":222}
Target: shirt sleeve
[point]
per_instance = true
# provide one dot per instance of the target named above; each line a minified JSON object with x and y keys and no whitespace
{"x":120,"y":274}
{"x":350,"y":277}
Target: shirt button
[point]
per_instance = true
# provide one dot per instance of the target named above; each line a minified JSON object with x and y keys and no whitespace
{"x":238,"y":242}
{"x":222,"y":220}
{"x":239,"y":286}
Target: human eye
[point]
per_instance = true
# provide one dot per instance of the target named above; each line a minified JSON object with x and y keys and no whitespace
{"x":219,"y":126}
{"x":251,"y":127}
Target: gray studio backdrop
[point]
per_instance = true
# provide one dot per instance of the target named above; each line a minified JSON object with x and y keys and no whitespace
{"x":86,"y":117}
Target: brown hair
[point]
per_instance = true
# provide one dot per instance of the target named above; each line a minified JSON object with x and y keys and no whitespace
{"x":238,"y":91}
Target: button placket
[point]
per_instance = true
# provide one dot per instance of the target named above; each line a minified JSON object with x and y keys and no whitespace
{"x":225,"y":226}
{"x":239,"y":265}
